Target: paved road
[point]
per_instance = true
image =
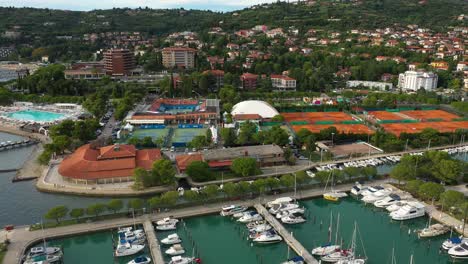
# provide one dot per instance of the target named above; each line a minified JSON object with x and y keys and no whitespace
{"x":461,"y":188}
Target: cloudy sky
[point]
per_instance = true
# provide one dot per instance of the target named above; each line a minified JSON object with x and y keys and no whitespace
{"x":219,"y":5}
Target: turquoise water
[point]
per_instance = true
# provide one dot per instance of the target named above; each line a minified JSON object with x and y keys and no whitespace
{"x":378,"y":232}
{"x":217,"y":239}
{"x":34,"y":115}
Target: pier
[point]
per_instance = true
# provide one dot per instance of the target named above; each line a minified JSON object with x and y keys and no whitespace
{"x":290,"y":240}
{"x":153,"y":242}
{"x":6,"y":145}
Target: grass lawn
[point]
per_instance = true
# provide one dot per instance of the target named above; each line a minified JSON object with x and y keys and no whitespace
{"x":3,"y":250}
{"x":225,"y":175}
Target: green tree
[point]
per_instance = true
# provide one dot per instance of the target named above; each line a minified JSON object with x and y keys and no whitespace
{"x":210,"y":191}
{"x":447,"y":170}
{"x":369,"y":172}
{"x":141,"y":179}
{"x":278,"y":118}
{"x":209,"y":136}
{"x":245,"y":166}
{"x":61,"y":143}
{"x":413,"y":186}
{"x":244,"y":187}
{"x":247,"y":132}
{"x":402,"y":172}
{"x":57,"y":213}
{"x":287,"y":180}
{"x":115,"y":205}
{"x":276,"y":135}
{"x":302,"y":135}
{"x":163,"y":172}
{"x":230,"y":189}
{"x":200,"y":171}
{"x":229,"y":136}
{"x":170,"y":198}
{"x":136,"y":204}
{"x":451,"y":198}
{"x":430,"y":190}
{"x":147,"y":142}
{"x":352,"y":172}
{"x":271,"y":183}
{"x":96,"y":209}
{"x":191,"y":196}
{"x":76,"y":213}
{"x":259,"y":186}
{"x":198,"y":142}
{"x":154,"y":202}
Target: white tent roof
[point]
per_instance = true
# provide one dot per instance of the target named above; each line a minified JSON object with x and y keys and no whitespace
{"x":264,"y":109}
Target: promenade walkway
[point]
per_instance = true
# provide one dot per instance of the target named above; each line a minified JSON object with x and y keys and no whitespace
{"x":288,"y":237}
{"x":153,"y":242}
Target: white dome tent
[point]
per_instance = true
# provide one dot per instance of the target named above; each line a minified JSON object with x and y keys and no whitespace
{"x":263,"y":109}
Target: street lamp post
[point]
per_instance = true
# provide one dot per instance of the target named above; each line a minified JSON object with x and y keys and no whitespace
{"x":332,"y":134}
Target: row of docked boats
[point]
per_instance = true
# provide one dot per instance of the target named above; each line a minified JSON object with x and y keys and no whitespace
{"x":359,"y":163}
{"x":44,"y":255}
{"x":131,"y":241}
{"x":287,"y":211}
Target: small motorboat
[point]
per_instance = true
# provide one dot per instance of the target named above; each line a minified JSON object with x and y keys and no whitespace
{"x":256,"y":223}
{"x":138,"y":236}
{"x":387,"y":201}
{"x":45,"y":259}
{"x":334,"y":196}
{"x":125,"y":229}
{"x":338,"y":255}
{"x":325,"y":249}
{"x":268,"y":237}
{"x":140,"y":260}
{"x":292,"y":211}
{"x":358,"y":189}
{"x":370,"y":190}
{"x":167,"y":221}
{"x":352,"y":261}
{"x":260,"y":228}
{"x":295,"y":260}
{"x":176,"y":249}
{"x":277,"y":208}
{"x":39,"y":251}
{"x":452,"y":242}
{"x":280,"y":200}
{"x":293,"y":219}
{"x":249,"y":217}
{"x":409,"y":211}
{"x":171,"y":239}
{"x":378,"y":195}
{"x":166,"y":227}
{"x":127,"y":249}
{"x":396,"y":206}
{"x":181,"y":260}
{"x":433,"y":230}
{"x":232,"y":210}
{"x":460,"y":251}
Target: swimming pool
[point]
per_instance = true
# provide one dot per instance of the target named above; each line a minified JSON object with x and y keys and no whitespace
{"x":34,"y":115}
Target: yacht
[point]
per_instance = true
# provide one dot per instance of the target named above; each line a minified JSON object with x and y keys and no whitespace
{"x":433,"y":230}
{"x":295,"y":260}
{"x":268,"y":237}
{"x":166,"y":227}
{"x":176,"y":249}
{"x":338,"y":255}
{"x":396,"y":206}
{"x":167,"y":221}
{"x":232,"y":209}
{"x":140,"y":260}
{"x":460,"y":251}
{"x":181,"y":260}
{"x":280,"y":200}
{"x":293,"y":219}
{"x":40,"y":251}
{"x":358,"y":189}
{"x":283,"y":207}
{"x":138,"y":236}
{"x":249,"y":217}
{"x":378,"y":195}
{"x":453,"y":242}
{"x":260,"y":228}
{"x":387,"y":201}
{"x":254,"y":224}
{"x":371,"y":189}
{"x":125,"y":229}
{"x":128,"y":249}
{"x":171,"y":239}
{"x":352,"y":261}
{"x":325,"y":249}
{"x":288,"y":212}
{"x":409,"y":211}
{"x":49,"y":259}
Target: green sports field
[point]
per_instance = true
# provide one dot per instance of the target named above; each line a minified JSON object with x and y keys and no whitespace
{"x":185,"y":135}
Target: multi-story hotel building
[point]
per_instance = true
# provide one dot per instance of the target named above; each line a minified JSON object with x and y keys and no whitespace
{"x":179,"y":57}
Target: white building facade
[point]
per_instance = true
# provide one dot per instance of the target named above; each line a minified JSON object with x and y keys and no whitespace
{"x":414,"y":80}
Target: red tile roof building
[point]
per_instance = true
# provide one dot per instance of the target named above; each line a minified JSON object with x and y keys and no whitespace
{"x":249,"y":81}
{"x":109,"y":164}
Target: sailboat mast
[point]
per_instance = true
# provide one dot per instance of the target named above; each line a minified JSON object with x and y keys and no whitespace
{"x":330,"y":228}
{"x":337,"y":227}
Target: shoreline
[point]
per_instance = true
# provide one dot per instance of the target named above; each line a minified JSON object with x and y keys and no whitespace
{"x":31,"y":169}
{"x":18,"y":132}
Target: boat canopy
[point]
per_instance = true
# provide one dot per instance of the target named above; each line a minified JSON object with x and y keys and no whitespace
{"x":297,"y":259}
{"x":455,"y":240}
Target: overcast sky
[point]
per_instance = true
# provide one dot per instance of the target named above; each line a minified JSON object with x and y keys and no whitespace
{"x":218,"y":5}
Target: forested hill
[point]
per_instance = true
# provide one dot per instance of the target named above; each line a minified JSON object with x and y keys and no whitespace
{"x":367,"y":14}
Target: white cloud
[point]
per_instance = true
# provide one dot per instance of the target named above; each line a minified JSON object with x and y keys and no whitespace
{"x":107,"y":4}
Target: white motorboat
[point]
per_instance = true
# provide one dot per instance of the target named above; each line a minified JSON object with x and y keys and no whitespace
{"x":176,"y":249}
{"x":180,"y":260}
{"x":409,"y":211}
{"x":433,"y":230}
{"x":166,"y":227}
{"x":460,"y":251}
{"x":292,"y":211}
{"x":125,"y":229}
{"x":280,"y":200}
{"x":283,"y":207}
{"x":167,"y":221}
{"x":254,"y":224}
{"x":140,"y":260}
{"x":293,"y":219}
{"x":396,"y":206}
{"x":358,"y":189}
{"x":251,"y":216}
{"x":127,"y":249}
{"x":40,"y":251}
{"x":295,"y":260}
{"x":232,"y":209}
{"x":338,"y":255}
{"x":453,"y":242}
{"x":268,"y":237}
{"x":371,"y":189}
{"x":46,"y":259}
{"x":378,"y":195}
{"x":260,"y":228}
{"x":387,"y":201}
{"x":138,"y":236}
{"x":325,"y":249}
{"x":171,"y":239}
{"x":352,"y":261}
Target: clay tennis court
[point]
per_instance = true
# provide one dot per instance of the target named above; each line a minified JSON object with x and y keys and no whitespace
{"x":411,"y":128}
{"x":384,"y":115}
{"x":342,"y":128}
{"x":316,"y":116}
{"x":429,"y":114}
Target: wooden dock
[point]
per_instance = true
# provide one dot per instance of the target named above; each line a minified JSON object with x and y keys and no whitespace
{"x":288,"y":237}
{"x":153,"y":242}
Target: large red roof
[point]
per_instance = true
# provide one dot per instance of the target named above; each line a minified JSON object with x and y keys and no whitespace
{"x":88,"y":163}
{"x":183,"y":161}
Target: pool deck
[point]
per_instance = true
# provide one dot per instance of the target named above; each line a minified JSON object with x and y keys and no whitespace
{"x":288,"y":237}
